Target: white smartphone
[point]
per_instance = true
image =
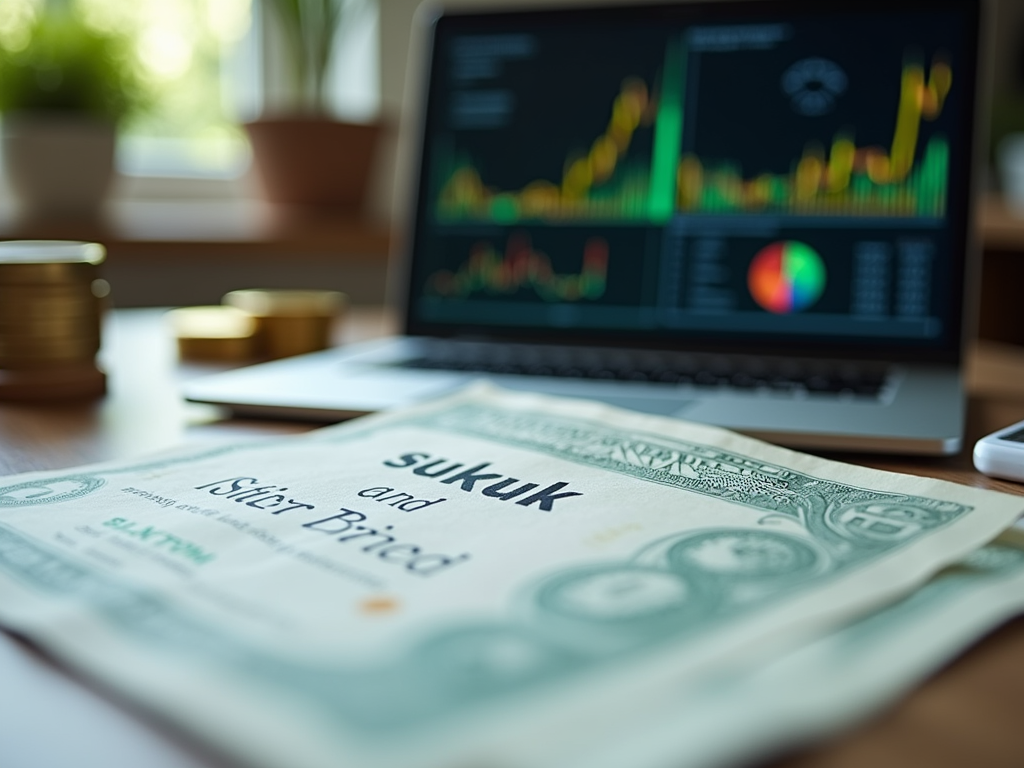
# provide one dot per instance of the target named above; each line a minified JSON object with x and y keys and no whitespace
{"x":1001,"y":454}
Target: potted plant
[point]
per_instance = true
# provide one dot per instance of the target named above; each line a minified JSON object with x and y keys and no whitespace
{"x":303,"y":155}
{"x":63,"y":92}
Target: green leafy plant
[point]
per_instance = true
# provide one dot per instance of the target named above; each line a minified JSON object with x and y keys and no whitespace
{"x":310,"y":31}
{"x":68,"y":66}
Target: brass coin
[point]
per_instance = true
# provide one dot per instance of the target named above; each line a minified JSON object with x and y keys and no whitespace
{"x":49,"y":261}
{"x":287,"y":302}
{"x":282,"y":336}
{"x":44,"y":363}
{"x":49,"y":292}
{"x":18,"y":275}
{"x":81,"y":308}
{"x":53,"y":292}
{"x":70,"y":348}
{"x":48,"y":348}
{"x":213,"y":332}
{"x":49,"y":327}
{"x":44,"y":307}
{"x":211,"y":322}
{"x":26,"y":335}
{"x":31,"y":342}
{"x":199,"y":348}
{"x":290,"y":322}
{"x":37,"y":324}
{"x":65,"y":382}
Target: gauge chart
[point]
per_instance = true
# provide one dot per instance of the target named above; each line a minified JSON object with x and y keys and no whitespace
{"x":786,"y":276}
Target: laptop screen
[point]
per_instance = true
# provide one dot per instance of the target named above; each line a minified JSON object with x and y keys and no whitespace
{"x":758,"y":175}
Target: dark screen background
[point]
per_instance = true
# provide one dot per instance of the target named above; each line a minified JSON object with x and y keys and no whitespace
{"x":541,"y":86}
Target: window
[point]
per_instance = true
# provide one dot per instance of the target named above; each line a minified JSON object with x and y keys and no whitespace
{"x":211,"y":65}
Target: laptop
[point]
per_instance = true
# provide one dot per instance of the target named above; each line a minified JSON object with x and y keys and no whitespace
{"x":749,"y":214}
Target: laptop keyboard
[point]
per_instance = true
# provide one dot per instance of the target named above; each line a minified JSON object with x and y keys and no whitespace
{"x":797,"y":377}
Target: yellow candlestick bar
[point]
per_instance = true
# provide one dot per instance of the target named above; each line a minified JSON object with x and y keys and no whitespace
{"x":816,"y":180}
{"x":465,"y":190}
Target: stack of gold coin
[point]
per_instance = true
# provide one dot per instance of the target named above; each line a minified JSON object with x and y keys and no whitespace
{"x":51,"y":299}
{"x":213,"y":333}
{"x":290,"y":322}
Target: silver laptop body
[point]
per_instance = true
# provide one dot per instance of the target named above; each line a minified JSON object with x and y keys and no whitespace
{"x":750,"y":214}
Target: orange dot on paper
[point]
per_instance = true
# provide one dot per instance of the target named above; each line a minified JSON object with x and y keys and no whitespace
{"x":378,"y":605}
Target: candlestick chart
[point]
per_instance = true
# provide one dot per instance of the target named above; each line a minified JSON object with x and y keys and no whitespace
{"x":615,"y":178}
{"x":905,"y":179}
{"x":523,"y":268}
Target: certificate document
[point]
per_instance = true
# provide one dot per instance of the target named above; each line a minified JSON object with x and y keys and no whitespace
{"x":489,"y":579}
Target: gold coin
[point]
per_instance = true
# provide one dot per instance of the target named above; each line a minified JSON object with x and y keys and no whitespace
{"x":45,"y":347}
{"x":213,"y":322}
{"x":282,"y":336}
{"x":290,"y":322}
{"x":43,"y":308}
{"x":215,"y":349}
{"x":287,"y":303}
{"x":14,"y":364}
{"x":47,"y":292}
{"x":59,"y":383}
{"x":48,"y":348}
{"x":17,"y":275}
{"x":213,"y":333}
{"x":82,"y":308}
{"x":43,"y":363}
{"x":51,"y":327}
{"x":49,"y":261}
{"x":36,"y":319}
{"x":85,"y":337}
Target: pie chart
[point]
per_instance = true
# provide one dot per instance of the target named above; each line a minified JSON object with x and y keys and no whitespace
{"x":786,"y":276}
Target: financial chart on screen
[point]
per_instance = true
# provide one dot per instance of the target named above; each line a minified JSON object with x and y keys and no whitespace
{"x":774,"y":177}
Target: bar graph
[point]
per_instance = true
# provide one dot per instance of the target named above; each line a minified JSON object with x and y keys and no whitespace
{"x":613,"y":179}
{"x":848,"y":179}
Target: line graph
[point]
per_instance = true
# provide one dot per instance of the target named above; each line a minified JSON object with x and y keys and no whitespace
{"x":523,"y":268}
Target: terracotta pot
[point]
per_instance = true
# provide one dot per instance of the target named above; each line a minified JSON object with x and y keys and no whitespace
{"x":58,"y":163}
{"x":313,"y":161}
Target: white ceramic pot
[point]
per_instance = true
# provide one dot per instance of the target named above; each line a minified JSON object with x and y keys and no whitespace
{"x":58,"y":164}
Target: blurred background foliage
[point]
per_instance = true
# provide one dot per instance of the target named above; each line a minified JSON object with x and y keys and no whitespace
{"x":61,"y":64}
{"x":163,"y":63}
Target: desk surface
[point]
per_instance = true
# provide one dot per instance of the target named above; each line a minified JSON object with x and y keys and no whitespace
{"x":968,"y":714}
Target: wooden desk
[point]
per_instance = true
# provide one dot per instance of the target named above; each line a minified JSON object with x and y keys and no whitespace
{"x":968,"y":714}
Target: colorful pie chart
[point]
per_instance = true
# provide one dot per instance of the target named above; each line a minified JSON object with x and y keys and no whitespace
{"x":787,"y":276}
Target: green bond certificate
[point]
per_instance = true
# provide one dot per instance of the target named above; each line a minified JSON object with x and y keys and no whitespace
{"x":468,"y":582}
